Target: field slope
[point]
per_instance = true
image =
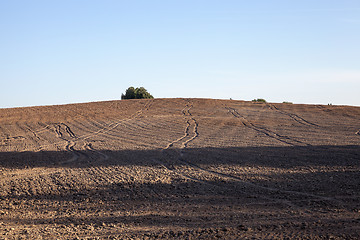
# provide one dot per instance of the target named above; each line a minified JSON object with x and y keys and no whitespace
{"x":180,"y":168}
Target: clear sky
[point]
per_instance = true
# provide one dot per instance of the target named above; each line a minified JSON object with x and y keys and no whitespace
{"x":69,"y":51}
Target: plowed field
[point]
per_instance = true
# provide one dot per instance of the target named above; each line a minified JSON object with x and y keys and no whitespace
{"x":180,"y":168}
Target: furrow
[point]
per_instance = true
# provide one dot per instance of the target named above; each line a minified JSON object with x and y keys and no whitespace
{"x":195,"y":133}
{"x":293,"y":116}
{"x":267,"y":132}
{"x":103,"y":156}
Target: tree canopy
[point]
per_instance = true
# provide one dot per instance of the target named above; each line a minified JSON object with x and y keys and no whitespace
{"x":261,"y":100}
{"x":136,"y":93}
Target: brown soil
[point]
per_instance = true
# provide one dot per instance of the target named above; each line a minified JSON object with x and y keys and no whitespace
{"x":180,"y":169}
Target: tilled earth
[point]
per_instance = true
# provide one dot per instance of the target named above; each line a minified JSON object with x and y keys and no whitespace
{"x":180,"y":169}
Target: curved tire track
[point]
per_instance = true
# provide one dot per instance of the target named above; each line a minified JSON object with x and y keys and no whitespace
{"x":192,"y":122}
{"x":294,"y":116}
{"x":60,"y":129}
{"x":249,"y":184}
{"x":267,"y":132}
{"x":103,"y":156}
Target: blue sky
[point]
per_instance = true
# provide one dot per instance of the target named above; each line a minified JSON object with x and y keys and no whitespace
{"x":57,"y":52}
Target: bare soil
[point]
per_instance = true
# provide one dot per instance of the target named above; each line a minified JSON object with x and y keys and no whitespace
{"x":180,"y":169}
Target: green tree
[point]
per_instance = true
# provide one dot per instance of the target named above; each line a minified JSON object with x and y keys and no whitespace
{"x":129,"y":93}
{"x":142,"y":93}
{"x":261,"y":100}
{"x":136,"y":93}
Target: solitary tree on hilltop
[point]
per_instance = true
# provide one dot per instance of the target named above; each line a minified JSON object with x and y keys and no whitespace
{"x":136,"y":93}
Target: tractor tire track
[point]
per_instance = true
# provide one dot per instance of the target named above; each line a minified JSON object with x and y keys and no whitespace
{"x":68,"y":130}
{"x":33,"y":136}
{"x":194,"y":132}
{"x":57,"y":129}
{"x":186,"y":133}
{"x":192,"y":122}
{"x":293,"y":116}
{"x":113,"y":134}
{"x":75,"y":155}
{"x":28,"y":128}
{"x":166,"y":154}
{"x":12,"y":138}
{"x":117,"y":123}
{"x":43,"y":128}
{"x":103,"y":156}
{"x":70,"y":140}
{"x":88,"y":146}
{"x":40,"y":139}
{"x":253,"y":185}
{"x":278,"y":137}
{"x":181,"y":158}
{"x":146,"y":126}
{"x":267,"y":132}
